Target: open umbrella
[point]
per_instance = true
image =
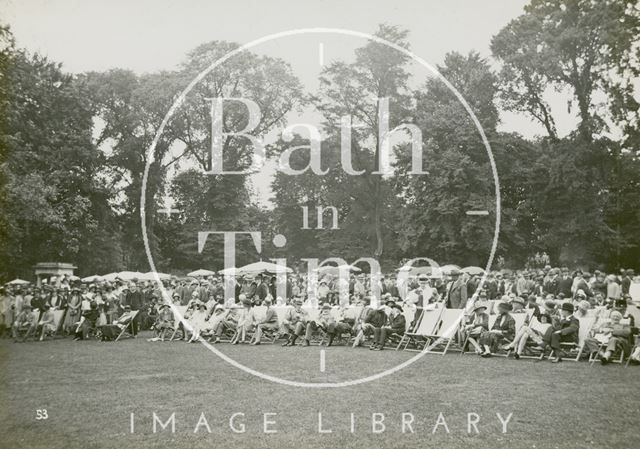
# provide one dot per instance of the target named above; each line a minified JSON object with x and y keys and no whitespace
{"x":129,"y":275}
{"x":18,"y":282}
{"x":261,"y":267}
{"x":94,"y":278}
{"x":198,"y":273}
{"x":151,"y":276}
{"x":328,"y":269}
{"x":473,"y":270}
{"x":449,"y":268}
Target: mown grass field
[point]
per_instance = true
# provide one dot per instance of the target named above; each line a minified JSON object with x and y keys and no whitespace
{"x":89,"y":390}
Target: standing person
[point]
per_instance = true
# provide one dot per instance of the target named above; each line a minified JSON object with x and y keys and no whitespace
{"x":614,"y":291}
{"x":625,"y":283}
{"x":262,"y":289}
{"x":552,"y":282}
{"x":565,"y":283}
{"x":457,"y":292}
{"x":582,"y":283}
{"x":73,"y":310}
{"x":133,"y":299}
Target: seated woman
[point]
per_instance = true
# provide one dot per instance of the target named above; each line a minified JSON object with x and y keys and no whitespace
{"x":396,"y":324}
{"x":46,"y":326}
{"x":534,"y":331}
{"x":479,"y":323}
{"x":268,"y":323}
{"x":163,"y":323}
{"x":197,"y":321}
{"x":503,"y":329}
{"x":111,"y":331}
{"x":217,"y":320}
{"x":25,"y":322}
{"x":246,"y":321}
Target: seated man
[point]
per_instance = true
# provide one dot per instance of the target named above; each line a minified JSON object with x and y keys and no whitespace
{"x":88,"y":322}
{"x":268,"y":323}
{"x":24,"y":322}
{"x":396,"y":324}
{"x":47,"y":325}
{"x":503,"y":329}
{"x":362,"y":327}
{"x":565,"y":329}
{"x":613,"y":334}
{"x":294,"y":322}
{"x":324,"y":321}
{"x":111,"y":331}
{"x":341,"y":325}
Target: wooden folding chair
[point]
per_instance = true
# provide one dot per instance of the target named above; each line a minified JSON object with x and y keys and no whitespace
{"x":492,"y":320}
{"x":424,"y":328}
{"x":128,"y":328}
{"x":586,"y":324}
{"x":520,"y":319}
{"x":445,"y":330}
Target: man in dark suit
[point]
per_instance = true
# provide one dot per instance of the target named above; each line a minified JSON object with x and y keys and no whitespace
{"x":562,"y":330}
{"x":565,"y":283}
{"x":134,"y":301}
{"x":583,"y":284}
{"x":457,"y":294}
{"x":262,"y":290}
{"x":552,"y":283}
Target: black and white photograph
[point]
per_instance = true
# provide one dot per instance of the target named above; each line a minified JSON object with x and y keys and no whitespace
{"x":319,"y":224}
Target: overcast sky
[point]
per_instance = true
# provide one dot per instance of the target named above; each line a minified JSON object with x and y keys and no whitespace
{"x":149,"y":35}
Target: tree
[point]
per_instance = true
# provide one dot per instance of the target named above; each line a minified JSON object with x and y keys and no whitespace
{"x":56,"y":207}
{"x":431,"y":219}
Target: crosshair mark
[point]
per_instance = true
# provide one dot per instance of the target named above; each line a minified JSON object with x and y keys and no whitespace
{"x":168,"y":211}
{"x":478,"y":212}
{"x":322,"y":361}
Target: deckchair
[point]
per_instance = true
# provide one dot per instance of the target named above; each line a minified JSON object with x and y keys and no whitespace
{"x":445,"y":330}
{"x":127,"y":330}
{"x":520,"y":319}
{"x":586,"y":324}
{"x":424,"y":328}
{"x":616,"y":358}
{"x":492,"y":320}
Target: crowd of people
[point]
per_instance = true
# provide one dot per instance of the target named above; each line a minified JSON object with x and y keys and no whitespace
{"x":553,"y":299}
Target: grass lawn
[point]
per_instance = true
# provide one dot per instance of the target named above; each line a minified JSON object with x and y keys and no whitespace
{"x":89,"y":390}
